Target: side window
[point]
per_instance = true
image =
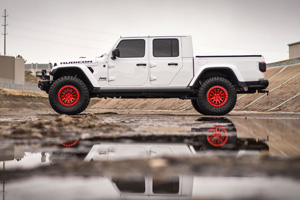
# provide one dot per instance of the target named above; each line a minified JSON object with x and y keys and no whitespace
{"x":131,"y":184}
{"x":132,"y":48}
{"x":167,"y":185}
{"x":165,"y":48}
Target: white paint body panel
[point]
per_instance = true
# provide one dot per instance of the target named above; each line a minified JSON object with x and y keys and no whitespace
{"x":116,"y":151}
{"x":245,"y":68}
{"x":85,"y":70}
{"x":160,"y":72}
{"x":125,"y":72}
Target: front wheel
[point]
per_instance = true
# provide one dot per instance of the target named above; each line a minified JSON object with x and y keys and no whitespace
{"x":217,"y":96}
{"x":69,"y":95}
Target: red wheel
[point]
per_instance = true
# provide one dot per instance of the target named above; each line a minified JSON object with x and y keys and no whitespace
{"x":68,"y":96}
{"x":217,"y":96}
{"x":70,"y":143}
{"x":217,"y":136}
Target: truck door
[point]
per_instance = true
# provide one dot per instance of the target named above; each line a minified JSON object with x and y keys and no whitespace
{"x":165,"y":60}
{"x":131,"y":68}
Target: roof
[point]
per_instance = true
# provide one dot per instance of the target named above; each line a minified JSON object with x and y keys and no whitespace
{"x":171,"y":36}
{"x":294,"y":43}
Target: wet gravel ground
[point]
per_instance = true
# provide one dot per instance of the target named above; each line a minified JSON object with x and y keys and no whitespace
{"x":113,"y":154}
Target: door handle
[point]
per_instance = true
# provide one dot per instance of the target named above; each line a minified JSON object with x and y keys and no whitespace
{"x":172,"y":64}
{"x":141,"y":64}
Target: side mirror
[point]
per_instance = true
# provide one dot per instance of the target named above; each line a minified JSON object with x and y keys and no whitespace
{"x":115,"y":54}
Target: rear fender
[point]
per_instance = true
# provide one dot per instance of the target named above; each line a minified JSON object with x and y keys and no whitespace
{"x":206,"y":68}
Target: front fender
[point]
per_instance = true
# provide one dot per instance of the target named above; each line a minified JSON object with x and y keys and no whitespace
{"x":84,"y":70}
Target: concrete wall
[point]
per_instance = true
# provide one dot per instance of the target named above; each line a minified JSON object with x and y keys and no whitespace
{"x":12,"y":68}
{"x":7,"y":67}
{"x":19,"y":70}
{"x":294,"y":50}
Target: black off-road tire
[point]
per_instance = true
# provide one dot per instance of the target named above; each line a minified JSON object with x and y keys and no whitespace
{"x":217,"y":133}
{"x":69,"y":95}
{"x":197,"y":107}
{"x":217,"y":96}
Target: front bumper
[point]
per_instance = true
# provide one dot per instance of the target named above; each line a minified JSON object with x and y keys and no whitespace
{"x":44,"y":85}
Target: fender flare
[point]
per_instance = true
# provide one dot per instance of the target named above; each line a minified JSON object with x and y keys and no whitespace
{"x":84,"y":70}
{"x":237,"y":75}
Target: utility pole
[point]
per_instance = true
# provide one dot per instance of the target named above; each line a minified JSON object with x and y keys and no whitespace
{"x":3,"y":191}
{"x":5,"y":33}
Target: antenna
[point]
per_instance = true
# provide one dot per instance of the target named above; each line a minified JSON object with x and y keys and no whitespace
{"x":5,"y":33}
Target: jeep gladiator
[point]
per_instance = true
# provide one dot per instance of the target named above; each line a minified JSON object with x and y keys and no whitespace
{"x":155,"y":67}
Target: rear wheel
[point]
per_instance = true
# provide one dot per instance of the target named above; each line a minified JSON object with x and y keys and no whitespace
{"x":196,"y":106}
{"x":69,"y":95}
{"x":217,"y":96}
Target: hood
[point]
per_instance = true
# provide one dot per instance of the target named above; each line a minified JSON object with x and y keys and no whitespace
{"x":80,"y":60}
{"x":88,"y":61}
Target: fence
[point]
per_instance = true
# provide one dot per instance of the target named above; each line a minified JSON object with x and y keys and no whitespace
{"x":16,"y":85}
{"x":294,"y":61}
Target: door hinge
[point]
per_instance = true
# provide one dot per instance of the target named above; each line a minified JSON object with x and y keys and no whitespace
{"x":153,"y":78}
{"x":152,"y":65}
{"x":111,"y":79}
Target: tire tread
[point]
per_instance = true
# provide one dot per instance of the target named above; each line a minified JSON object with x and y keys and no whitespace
{"x":206,"y":107}
{"x":83,"y":101}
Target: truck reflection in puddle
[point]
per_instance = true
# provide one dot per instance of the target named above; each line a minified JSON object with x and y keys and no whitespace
{"x":212,"y":135}
{"x":217,"y":135}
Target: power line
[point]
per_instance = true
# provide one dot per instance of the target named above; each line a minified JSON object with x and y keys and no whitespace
{"x":52,"y":33}
{"x":5,"y":33}
{"x":56,"y":25}
{"x":53,"y":41}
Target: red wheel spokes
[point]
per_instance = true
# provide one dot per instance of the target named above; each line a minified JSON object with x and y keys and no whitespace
{"x":70,"y":143}
{"x":217,"y":96}
{"x":68,"y":95}
{"x":217,"y":136}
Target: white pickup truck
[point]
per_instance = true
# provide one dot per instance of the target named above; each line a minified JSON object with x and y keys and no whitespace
{"x":155,"y":67}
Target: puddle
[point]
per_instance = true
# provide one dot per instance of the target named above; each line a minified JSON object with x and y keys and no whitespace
{"x":169,"y":157}
{"x":174,"y":187}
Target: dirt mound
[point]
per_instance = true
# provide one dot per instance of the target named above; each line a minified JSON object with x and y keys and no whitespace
{"x":284,"y":85}
{"x":63,"y":126}
{"x":31,"y":78}
{"x":9,"y":92}
{"x":14,"y":99}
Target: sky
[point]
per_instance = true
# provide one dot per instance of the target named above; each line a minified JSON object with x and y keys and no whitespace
{"x":45,"y":31}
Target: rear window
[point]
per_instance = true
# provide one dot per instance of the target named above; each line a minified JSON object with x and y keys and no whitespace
{"x":167,"y":185}
{"x":165,"y":48}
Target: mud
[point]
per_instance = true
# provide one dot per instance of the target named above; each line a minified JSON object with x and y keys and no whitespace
{"x":119,"y":154}
{"x":164,"y":166}
{"x":61,"y":126}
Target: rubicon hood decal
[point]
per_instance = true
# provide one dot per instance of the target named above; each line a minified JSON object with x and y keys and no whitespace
{"x":76,"y":62}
